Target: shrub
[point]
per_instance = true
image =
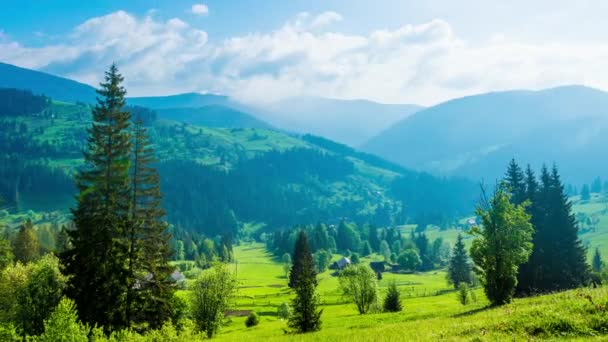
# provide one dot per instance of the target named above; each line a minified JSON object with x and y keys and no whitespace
{"x":283,"y":311}
{"x":463,"y":294}
{"x":252,"y":320}
{"x":392,"y":302}
{"x":63,"y":325}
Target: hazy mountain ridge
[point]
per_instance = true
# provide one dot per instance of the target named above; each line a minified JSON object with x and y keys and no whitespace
{"x":475,"y":136}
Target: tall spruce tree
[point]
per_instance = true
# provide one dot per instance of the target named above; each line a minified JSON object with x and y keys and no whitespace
{"x":459,"y":269}
{"x":26,"y":247}
{"x":558,"y":257}
{"x":516,"y":183}
{"x":303,"y":279}
{"x":150,"y":250}
{"x":97,"y":262}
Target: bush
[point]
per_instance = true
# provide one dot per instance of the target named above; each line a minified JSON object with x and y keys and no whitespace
{"x":392,"y":302}
{"x":463,"y":294}
{"x":63,"y":325}
{"x":252,"y":320}
{"x":283,"y":311}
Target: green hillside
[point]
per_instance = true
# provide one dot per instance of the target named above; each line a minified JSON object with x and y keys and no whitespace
{"x":216,"y":179}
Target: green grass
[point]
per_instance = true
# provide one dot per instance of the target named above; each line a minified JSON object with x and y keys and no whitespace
{"x":431,"y":311}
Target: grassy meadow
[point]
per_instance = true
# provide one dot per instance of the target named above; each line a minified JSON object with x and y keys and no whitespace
{"x":431,"y":310}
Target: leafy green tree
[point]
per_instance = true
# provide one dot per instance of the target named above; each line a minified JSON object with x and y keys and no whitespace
{"x":26,"y":247}
{"x":409,"y":260}
{"x":322,"y":259}
{"x":459,"y":270}
{"x":303,"y":279}
{"x":358,"y":283}
{"x":502,"y":243}
{"x":63,"y":325}
{"x":597,"y":262}
{"x":6,"y":254}
{"x":320,"y":237}
{"x":252,"y":320}
{"x":366,"y":248}
{"x":149,"y":248}
{"x":97,"y":262}
{"x":283,"y":311}
{"x":392,"y":301}
{"x":385,"y":250}
{"x":463,"y":294}
{"x":211,"y":295}
{"x":286,"y":264}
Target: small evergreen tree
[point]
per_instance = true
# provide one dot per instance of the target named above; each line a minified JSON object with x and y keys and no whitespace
{"x":463,"y":294}
{"x":303,"y":279}
{"x":515,"y":181}
{"x":286,"y":264}
{"x":459,"y":270}
{"x":392,"y":301}
{"x":585,"y":193}
{"x":597,"y":262}
{"x":26,"y":247}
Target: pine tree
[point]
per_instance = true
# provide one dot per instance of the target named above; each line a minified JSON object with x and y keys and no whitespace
{"x":597,"y":262}
{"x":585,"y":193}
{"x":527,"y":270}
{"x":302,"y":255}
{"x":373,"y":239}
{"x":97,"y":262}
{"x":516,"y":183}
{"x":459,"y":269}
{"x":392,"y":301}
{"x":305,"y":317}
{"x":26,"y":247}
{"x":150,"y":250}
{"x":558,"y":257}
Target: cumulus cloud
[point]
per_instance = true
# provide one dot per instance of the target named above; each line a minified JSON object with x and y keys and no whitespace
{"x":416,"y":63}
{"x":200,"y":9}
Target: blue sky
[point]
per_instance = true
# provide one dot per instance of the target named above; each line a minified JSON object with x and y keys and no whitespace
{"x":387,"y":50}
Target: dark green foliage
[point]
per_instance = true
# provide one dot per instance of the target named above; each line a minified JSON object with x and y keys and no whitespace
{"x":558,"y":259}
{"x":6,"y":253}
{"x":459,"y":270}
{"x":303,"y":266}
{"x":515,"y":180}
{"x":597,"y":262}
{"x":322,"y":260}
{"x":26,"y":247}
{"x":373,"y":239}
{"x":348,"y":237}
{"x":585,"y":193}
{"x":15,"y":102}
{"x":392,"y":301}
{"x":502,"y":243}
{"x":252,"y":320}
{"x":409,"y":260}
{"x":366,"y":249}
{"x":354,"y":258}
{"x":422,"y":244}
{"x":463,"y":293}
{"x":97,"y":261}
{"x":303,"y":279}
{"x":149,"y":249}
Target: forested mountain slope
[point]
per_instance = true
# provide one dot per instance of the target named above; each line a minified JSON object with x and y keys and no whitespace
{"x":475,"y":136}
{"x":214,"y":179}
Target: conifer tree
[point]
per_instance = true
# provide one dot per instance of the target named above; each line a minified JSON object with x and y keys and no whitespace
{"x":459,"y":269}
{"x":305,"y":317}
{"x":392,"y":301}
{"x":97,"y":262}
{"x":26,"y":247}
{"x":516,"y":183}
{"x":597,"y":262}
{"x":150,"y":250}
{"x":373,"y":239}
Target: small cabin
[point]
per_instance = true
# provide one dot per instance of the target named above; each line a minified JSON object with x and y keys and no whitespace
{"x":341,"y":264}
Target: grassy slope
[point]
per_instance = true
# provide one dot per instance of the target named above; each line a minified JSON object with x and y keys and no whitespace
{"x":431,"y":310}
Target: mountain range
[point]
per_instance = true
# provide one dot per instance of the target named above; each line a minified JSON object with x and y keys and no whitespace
{"x":476,"y":136}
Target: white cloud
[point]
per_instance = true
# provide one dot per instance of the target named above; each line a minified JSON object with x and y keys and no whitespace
{"x":200,"y":9}
{"x":326,"y":18}
{"x":415,"y":63}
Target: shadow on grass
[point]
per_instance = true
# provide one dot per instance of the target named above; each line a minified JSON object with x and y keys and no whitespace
{"x":472,"y":312}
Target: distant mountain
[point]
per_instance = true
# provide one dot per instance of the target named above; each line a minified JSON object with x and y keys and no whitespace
{"x":475,"y":136}
{"x":58,"y":88}
{"x":351,"y":122}
{"x":187,"y":100}
{"x":213,"y":116}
